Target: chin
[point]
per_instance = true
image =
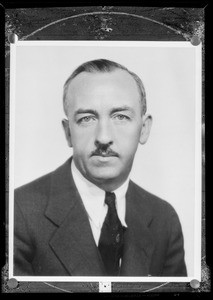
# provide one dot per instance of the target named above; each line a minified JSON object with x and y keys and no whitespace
{"x":104,"y":175}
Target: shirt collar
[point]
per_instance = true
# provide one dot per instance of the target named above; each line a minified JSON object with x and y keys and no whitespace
{"x":93,"y":197}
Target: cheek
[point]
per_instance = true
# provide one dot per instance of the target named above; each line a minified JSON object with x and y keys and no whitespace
{"x":129,"y":134}
{"x":128,"y":140}
{"x":81,"y":139}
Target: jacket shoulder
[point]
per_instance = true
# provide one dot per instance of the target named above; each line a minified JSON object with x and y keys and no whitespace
{"x":33,"y":194}
{"x":38,"y":185}
{"x":151,"y":202}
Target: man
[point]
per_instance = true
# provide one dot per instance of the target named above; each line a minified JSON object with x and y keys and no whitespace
{"x":87,"y":218}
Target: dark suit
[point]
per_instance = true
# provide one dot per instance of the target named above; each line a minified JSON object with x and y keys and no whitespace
{"x":53,"y":235}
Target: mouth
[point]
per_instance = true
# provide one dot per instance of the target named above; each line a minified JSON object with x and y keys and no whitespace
{"x":105,"y":154}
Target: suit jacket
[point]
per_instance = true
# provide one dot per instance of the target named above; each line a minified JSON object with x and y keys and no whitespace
{"x":52,"y":234}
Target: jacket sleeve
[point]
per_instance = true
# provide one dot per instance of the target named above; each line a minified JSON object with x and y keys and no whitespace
{"x":23,"y":247}
{"x":174,"y":262}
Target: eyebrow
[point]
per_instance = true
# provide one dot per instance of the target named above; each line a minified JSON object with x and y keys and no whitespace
{"x":122,"y":108}
{"x":94,"y":112}
{"x":85,"y":111}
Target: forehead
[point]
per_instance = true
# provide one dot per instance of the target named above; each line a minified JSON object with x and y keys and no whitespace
{"x":107,"y":84}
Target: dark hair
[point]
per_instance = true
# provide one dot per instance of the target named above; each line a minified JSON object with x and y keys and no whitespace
{"x":102,"y":66}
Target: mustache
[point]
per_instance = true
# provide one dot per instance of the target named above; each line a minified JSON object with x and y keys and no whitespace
{"x":104,"y":152}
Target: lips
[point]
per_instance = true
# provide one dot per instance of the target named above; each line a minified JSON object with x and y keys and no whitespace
{"x":108,"y":153}
{"x":104,"y":155}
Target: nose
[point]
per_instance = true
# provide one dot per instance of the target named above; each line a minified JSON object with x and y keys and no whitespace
{"x":104,"y":133}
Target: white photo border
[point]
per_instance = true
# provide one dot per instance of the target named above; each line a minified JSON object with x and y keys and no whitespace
{"x":198,"y":162}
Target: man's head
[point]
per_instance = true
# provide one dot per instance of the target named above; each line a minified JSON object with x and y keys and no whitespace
{"x":103,"y":66}
{"x":105,"y":104}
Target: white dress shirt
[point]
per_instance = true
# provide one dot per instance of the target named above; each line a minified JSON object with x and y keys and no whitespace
{"x":93,"y":199}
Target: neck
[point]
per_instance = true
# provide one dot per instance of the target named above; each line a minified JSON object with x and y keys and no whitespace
{"x":109,"y":186}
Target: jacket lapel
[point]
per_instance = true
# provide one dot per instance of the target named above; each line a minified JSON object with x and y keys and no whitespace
{"x":73,"y":242}
{"x":139,"y":244}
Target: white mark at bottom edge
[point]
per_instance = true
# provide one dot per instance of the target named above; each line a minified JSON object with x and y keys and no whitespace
{"x":105,"y":287}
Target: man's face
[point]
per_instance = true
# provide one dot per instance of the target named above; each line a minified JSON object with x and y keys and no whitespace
{"x":105,"y":125}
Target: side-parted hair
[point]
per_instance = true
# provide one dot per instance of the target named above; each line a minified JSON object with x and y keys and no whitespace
{"x":103,"y":66}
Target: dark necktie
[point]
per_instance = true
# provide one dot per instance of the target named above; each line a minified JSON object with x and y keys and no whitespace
{"x":111,"y":238}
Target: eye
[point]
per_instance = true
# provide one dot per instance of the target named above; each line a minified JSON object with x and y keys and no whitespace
{"x":122,"y":117}
{"x":86,"y":119}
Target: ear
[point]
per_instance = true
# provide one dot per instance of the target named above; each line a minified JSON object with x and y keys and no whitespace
{"x":146,"y":127}
{"x":67,"y":132}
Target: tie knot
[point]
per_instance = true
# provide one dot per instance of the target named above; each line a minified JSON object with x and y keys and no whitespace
{"x":110,"y":199}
